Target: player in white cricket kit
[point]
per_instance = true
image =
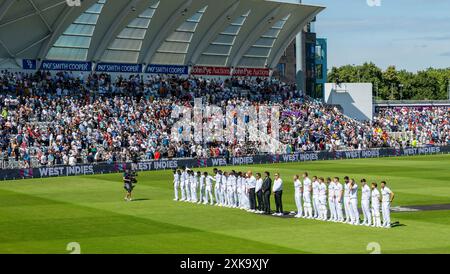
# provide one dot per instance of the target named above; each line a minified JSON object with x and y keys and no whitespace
{"x":331,"y":200}
{"x":387,"y":196}
{"x":365,"y":202}
{"x":208,"y":189}
{"x":315,"y":195}
{"x":245,"y":197}
{"x":201,"y":187}
{"x":194,"y":185}
{"x":347,"y":210}
{"x":339,"y":195}
{"x":376,"y":200}
{"x":354,"y":202}
{"x":298,"y":188}
{"x":176,"y":183}
{"x":183,"y":185}
{"x":235,"y":194}
{"x":307,"y":187}
{"x":223,"y":189}
{"x":323,"y":212}
{"x":230,"y":190}
{"x":239,"y":190}
{"x":218,"y":175}
{"x":187,"y":185}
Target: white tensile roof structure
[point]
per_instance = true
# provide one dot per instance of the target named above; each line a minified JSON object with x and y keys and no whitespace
{"x":229,"y":33}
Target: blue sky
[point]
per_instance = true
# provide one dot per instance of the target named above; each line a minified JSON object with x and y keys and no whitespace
{"x":410,"y":34}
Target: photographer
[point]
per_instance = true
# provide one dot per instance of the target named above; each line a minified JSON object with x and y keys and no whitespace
{"x":129,"y":181}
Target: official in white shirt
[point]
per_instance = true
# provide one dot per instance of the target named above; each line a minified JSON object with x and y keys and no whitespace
{"x":376,"y":200}
{"x":298,"y":188}
{"x":251,"y":185}
{"x":387,"y":196}
{"x":365,"y":202}
{"x":278,"y":193}
{"x":307,"y":187}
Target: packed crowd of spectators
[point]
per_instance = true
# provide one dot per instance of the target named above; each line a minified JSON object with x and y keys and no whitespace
{"x":71,"y":118}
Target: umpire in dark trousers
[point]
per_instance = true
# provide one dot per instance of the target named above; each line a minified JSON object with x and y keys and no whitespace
{"x":278,"y":192}
{"x":266,"y":191}
{"x":259,"y":193}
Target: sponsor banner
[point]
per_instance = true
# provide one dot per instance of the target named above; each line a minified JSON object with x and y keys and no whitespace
{"x":213,"y":71}
{"x":251,"y":72}
{"x":167,"y":69}
{"x":12,"y":174}
{"x":66,"y":65}
{"x":117,"y":67}
{"x":29,"y":64}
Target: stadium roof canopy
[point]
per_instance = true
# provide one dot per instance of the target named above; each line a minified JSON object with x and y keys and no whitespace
{"x":245,"y":33}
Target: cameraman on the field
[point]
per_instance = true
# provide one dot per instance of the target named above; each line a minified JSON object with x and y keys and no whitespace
{"x":129,"y":181}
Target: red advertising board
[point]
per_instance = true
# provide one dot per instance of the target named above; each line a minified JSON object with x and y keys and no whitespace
{"x":252,"y":72}
{"x":215,"y":71}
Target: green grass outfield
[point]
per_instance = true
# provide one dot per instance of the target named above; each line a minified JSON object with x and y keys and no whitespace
{"x":44,"y":215}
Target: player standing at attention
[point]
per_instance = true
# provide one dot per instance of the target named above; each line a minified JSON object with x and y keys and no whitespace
{"x":315,"y":194}
{"x":201,"y":188}
{"x":365,"y":203}
{"x":376,"y":200}
{"x":208,"y":189}
{"x":183,"y":184}
{"x":235,"y":194}
{"x":223,"y":189}
{"x":307,"y":187}
{"x":187,"y":185}
{"x":323,"y":212}
{"x":339,"y":195}
{"x":347,"y":200}
{"x":354,"y":202}
{"x":298,"y":188}
{"x":176,"y":183}
{"x":387,"y":196}
{"x":194,"y":185}
{"x":218,"y":176}
{"x":331,"y":200}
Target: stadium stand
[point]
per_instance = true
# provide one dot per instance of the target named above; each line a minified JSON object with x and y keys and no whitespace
{"x":72,"y":118}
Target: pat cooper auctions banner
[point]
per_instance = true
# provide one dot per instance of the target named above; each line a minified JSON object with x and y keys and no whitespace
{"x":90,"y":169}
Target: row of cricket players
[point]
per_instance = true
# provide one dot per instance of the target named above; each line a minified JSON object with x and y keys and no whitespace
{"x":326,"y":200}
{"x":231,"y":189}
